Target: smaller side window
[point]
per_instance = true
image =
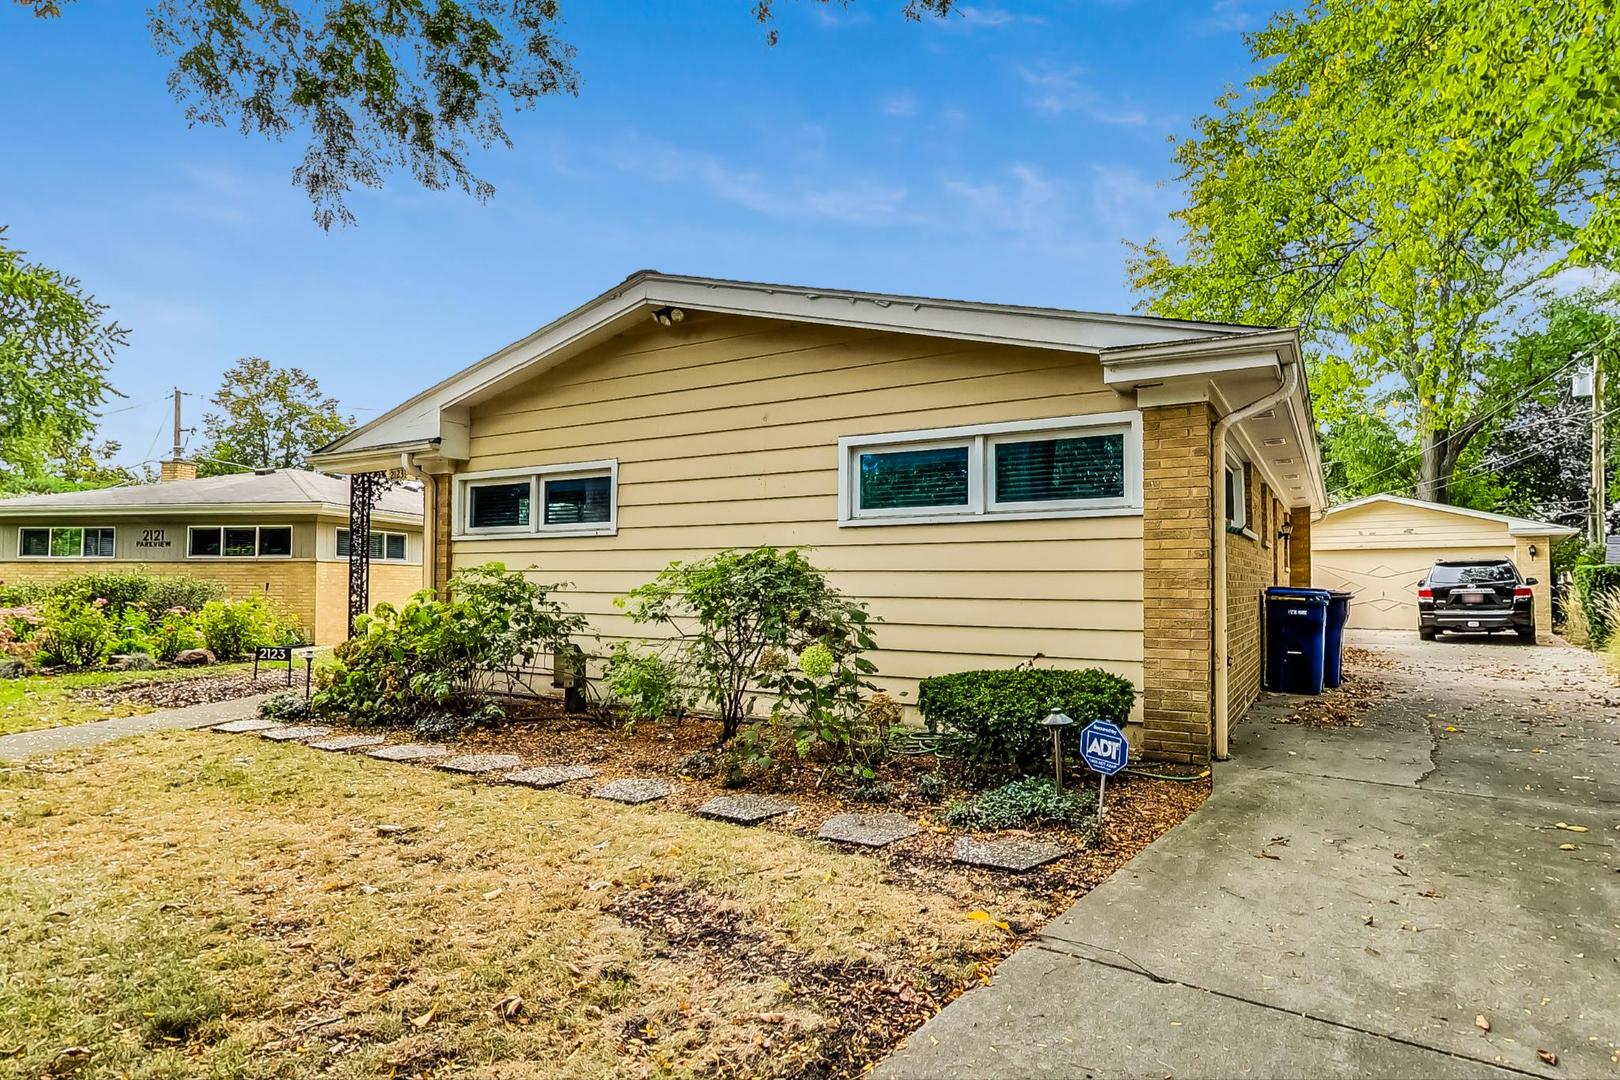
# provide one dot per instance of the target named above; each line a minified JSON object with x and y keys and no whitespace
{"x":1237,"y":516}
{"x":204,"y":543}
{"x":98,"y":543}
{"x":396,"y":546}
{"x":34,"y":543}
{"x":275,"y":541}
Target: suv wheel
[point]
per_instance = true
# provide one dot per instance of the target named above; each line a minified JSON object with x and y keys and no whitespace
{"x":1527,"y":634}
{"x":1426,"y":633}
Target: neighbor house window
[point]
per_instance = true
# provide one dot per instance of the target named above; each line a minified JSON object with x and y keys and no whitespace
{"x":73,"y":542}
{"x":1237,"y":496}
{"x":1066,"y":466}
{"x":388,"y":546}
{"x":239,"y":541}
{"x":578,"y":500}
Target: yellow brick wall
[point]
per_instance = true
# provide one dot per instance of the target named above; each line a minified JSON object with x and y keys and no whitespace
{"x":391,"y":582}
{"x":290,"y":583}
{"x":1176,"y":582}
{"x":1251,"y":567}
{"x":1299,"y":548}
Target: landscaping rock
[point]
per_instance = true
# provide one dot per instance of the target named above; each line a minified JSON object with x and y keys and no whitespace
{"x":12,"y":669}
{"x":131,"y":662}
{"x":295,"y":732}
{"x":868,"y":830}
{"x":481,"y":763}
{"x":633,"y":790}
{"x":1014,"y":855}
{"x":545,"y":776}
{"x":409,"y":751}
{"x":744,"y":809}
{"x":348,"y":742}
{"x":241,"y":727}
{"x":194,"y":656}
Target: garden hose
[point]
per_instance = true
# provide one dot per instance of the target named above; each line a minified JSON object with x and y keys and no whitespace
{"x":1161,"y":776}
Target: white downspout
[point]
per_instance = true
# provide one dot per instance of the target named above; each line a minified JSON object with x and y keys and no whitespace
{"x":1217,"y":455}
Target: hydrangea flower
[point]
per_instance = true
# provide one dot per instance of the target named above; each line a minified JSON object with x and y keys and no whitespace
{"x":816,"y":661}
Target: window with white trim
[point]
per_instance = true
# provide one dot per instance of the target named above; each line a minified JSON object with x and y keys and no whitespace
{"x":1237,"y":496}
{"x":239,"y":542}
{"x":1062,"y":467}
{"x":66,"y":542}
{"x":578,"y":499}
{"x":387,"y":546}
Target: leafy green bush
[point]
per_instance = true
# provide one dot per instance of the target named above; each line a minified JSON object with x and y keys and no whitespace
{"x":990,"y":721}
{"x":1034,"y":800}
{"x":643,"y":684}
{"x":133,"y":633}
{"x":1593,"y":584}
{"x":233,"y":628}
{"x":421,"y":663}
{"x":174,"y":632}
{"x":74,"y":632}
{"x":189,"y":593}
{"x":284,"y":706}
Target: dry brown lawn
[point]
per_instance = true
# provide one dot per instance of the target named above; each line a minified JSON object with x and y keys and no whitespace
{"x":192,"y":904}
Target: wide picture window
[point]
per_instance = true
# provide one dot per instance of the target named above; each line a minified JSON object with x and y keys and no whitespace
{"x":239,"y":542}
{"x":65,"y":543}
{"x":579,"y":500}
{"x":1049,"y":468}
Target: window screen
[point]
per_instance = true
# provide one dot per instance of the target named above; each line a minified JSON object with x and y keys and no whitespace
{"x":896,"y":479}
{"x":34,"y":542}
{"x":204,"y":542}
{"x":275,"y":540}
{"x":1061,"y":470}
{"x":98,"y":543}
{"x":578,"y":500}
{"x":67,"y":543}
{"x":395,"y":544}
{"x":496,"y":505}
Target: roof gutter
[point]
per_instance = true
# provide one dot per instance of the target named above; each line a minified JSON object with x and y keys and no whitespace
{"x":1217,"y":494}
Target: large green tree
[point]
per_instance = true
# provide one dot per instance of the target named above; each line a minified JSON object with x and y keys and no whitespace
{"x":378,"y":85}
{"x":1399,"y":178}
{"x":267,"y":418}
{"x":56,"y":343}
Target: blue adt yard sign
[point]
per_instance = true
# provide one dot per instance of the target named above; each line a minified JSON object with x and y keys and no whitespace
{"x":1103,"y":747}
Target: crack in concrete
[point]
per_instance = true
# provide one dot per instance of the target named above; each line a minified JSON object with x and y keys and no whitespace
{"x":1134,"y":967}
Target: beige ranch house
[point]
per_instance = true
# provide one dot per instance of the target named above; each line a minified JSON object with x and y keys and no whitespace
{"x":999,"y":482}
{"x":283,"y":534}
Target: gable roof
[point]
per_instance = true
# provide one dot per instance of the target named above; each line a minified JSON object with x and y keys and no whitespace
{"x":416,"y":424}
{"x":283,"y":490}
{"x":1516,"y":526}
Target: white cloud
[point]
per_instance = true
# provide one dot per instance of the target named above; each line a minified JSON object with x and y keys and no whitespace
{"x":1056,"y":91}
{"x":902,"y":104}
{"x":992,"y":18}
{"x":1229,"y":16}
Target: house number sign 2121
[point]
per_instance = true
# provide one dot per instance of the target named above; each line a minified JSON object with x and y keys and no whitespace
{"x":152,"y":538}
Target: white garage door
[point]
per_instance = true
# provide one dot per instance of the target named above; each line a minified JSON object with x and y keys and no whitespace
{"x":1383,"y":580}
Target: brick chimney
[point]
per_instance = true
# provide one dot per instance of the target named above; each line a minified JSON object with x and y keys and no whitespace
{"x":176,"y":470}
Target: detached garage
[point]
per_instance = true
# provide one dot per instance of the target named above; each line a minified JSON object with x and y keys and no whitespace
{"x":1378,"y":547}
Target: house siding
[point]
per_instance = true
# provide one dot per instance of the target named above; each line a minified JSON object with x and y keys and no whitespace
{"x":726,"y":430}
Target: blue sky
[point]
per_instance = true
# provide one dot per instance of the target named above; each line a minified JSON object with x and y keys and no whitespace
{"x":1003,"y":154}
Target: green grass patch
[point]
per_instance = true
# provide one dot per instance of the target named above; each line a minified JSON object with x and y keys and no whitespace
{"x":46,"y":701}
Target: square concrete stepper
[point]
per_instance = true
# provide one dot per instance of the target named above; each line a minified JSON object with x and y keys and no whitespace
{"x":545,"y":776}
{"x":868,"y":830}
{"x":294,"y":732}
{"x":242,"y":727}
{"x":348,"y":742}
{"x":744,"y":809}
{"x":409,"y":751}
{"x":1014,"y":855}
{"x":633,"y":790}
{"x":481,"y":763}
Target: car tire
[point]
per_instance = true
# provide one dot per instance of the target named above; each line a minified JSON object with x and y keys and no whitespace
{"x":1527,"y":635}
{"x":1426,"y":633}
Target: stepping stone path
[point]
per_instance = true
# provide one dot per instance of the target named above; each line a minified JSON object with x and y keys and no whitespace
{"x":481,"y":763}
{"x":633,"y":790}
{"x":868,"y":830}
{"x":545,"y":776}
{"x":241,"y":727}
{"x":1014,"y":855}
{"x":744,"y":809}
{"x":409,"y":751}
{"x":348,"y":742}
{"x":295,"y":732}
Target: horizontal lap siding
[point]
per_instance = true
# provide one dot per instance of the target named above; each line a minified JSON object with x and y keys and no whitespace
{"x":726,"y":433}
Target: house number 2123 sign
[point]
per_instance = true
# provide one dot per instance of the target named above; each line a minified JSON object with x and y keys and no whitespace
{"x":152,"y":538}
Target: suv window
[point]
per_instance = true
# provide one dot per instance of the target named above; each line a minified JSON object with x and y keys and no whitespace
{"x":1494,"y":573}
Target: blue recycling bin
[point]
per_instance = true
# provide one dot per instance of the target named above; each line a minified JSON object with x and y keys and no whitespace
{"x":1296,"y":639}
{"x":1333,"y":648}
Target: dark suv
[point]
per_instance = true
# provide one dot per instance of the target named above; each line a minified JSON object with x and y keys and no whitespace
{"x":1478,"y":595}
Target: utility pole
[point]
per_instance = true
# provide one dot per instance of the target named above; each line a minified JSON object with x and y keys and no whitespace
{"x":177,"y":447}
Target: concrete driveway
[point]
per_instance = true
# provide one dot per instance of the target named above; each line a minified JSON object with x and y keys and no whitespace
{"x":1349,"y":900}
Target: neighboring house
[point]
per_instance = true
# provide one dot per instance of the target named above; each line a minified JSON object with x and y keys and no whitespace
{"x":1378,"y":547}
{"x":1000,"y":483}
{"x":1611,"y":549}
{"x":282,"y":533}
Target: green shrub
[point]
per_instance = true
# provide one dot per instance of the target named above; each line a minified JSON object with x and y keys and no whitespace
{"x":1593,"y":584}
{"x":233,"y":628}
{"x":930,"y":786}
{"x":642,"y":684}
{"x":74,"y":632}
{"x":1034,"y":800}
{"x":286,"y":705}
{"x":421,"y":664}
{"x":133,"y":633}
{"x":121,"y":590}
{"x":174,"y":632}
{"x":166,"y":593}
{"x":990,"y":721}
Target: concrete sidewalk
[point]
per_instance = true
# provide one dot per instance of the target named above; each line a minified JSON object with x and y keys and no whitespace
{"x":51,"y":740}
{"x":1348,"y":901}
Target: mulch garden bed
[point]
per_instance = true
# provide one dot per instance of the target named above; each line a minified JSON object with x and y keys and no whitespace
{"x":175,"y":693}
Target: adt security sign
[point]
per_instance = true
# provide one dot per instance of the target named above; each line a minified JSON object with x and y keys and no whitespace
{"x":1103,"y":747}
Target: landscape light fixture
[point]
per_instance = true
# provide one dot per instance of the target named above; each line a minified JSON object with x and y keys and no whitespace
{"x":1055,"y":723}
{"x":668,"y":316}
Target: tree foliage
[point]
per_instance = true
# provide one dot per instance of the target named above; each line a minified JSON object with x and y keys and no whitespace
{"x":268,"y":418}
{"x":378,"y":85}
{"x":56,"y":343}
{"x":1398,"y":177}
